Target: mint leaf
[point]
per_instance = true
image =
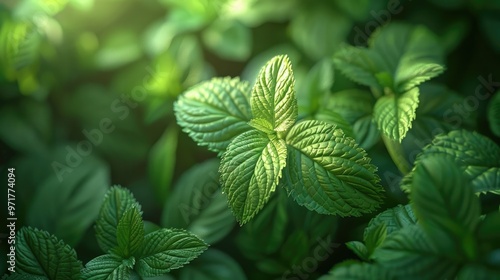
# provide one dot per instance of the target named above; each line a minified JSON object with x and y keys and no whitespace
{"x":198,"y":205}
{"x":262,"y":125}
{"x":409,"y":253}
{"x":250,"y":170}
{"x":162,"y":160}
{"x":116,"y":202}
{"x":494,"y":114}
{"x":214,"y":112}
{"x":475,"y":154}
{"x":356,"y":107}
{"x":358,"y":64}
{"x":359,"y":249}
{"x":394,"y":219}
{"x":41,"y":254}
{"x":375,"y":237}
{"x":315,"y":86}
{"x":442,"y":198}
{"x":130,"y":233}
{"x":229,"y":39}
{"x":107,"y":267}
{"x":411,"y":54}
{"x":273,"y":95}
{"x":394,"y":114}
{"x":327,"y":172}
{"x":168,"y":249}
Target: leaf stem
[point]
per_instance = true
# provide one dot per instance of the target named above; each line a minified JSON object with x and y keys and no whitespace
{"x":397,"y":154}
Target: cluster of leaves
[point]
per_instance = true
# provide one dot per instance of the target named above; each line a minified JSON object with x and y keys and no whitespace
{"x":263,"y":146}
{"x":441,"y":233}
{"x":121,"y":234}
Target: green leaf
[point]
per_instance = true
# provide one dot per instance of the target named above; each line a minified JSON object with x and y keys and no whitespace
{"x":168,"y":249}
{"x":23,"y":276}
{"x":357,"y":64}
{"x":442,"y":198}
{"x":394,"y":114}
{"x":359,"y":271}
{"x":74,"y":193}
{"x":411,"y":54}
{"x":475,"y":154}
{"x":129,"y":233}
{"x":161,"y":162}
{"x":488,"y":229}
{"x":273,"y":95}
{"x":334,"y":118}
{"x":214,"y":112}
{"x":327,"y":172}
{"x":356,"y":107}
{"x":375,"y":237}
{"x":262,"y":125}
{"x":198,"y":205}
{"x":42,"y":254}
{"x":229,"y":39}
{"x":116,"y":202}
{"x":359,"y":249}
{"x":394,"y":219}
{"x":213,"y":265}
{"x":315,"y":86}
{"x":250,"y":170}
{"x":478,"y":272}
{"x":107,"y":267}
{"x":410,"y":254}
{"x":494,"y":114}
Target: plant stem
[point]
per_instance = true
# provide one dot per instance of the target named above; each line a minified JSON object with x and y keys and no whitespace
{"x":397,"y":154}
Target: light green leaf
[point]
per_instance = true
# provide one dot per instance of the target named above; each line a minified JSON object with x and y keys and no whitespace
{"x":273,"y":95}
{"x":416,"y":74}
{"x":116,"y":202}
{"x":214,"y":112}
{"x":262,"y":125}
{"x":213,"y":265}
{"x":359,"y":249}
{"x":394,"y":219}
{"x":327,"y":172}
{"x":250,"y":170}
{"x":410,"y":254}
{"x":394,"y":114}
{"x":359,"y":271}
{"x":442,"y":198}
{"x":75,"y":194}
{"x":198,"y":205}
{"x":168,"y":249}
{"x":228,"y":39}
{"x":107,"y":267}
{"x":475,"y":154}
{"x":494,"y":114}
{"x":161,"y":162}
{"x":129,"y":233}
{"x":356,"y":107}
{"x":357,"y":64}
{"x":42,"y":254}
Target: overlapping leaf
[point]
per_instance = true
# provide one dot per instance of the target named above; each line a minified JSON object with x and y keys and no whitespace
{"x":130,"y":233}
{"x":168,"y":249}
{"x":273,"y":96}
{"x":327,"y":172}
{"x":250,"y":170}
{"x":394,"y":114}
{"x":215,"y":112}
{"x":41,"y":254}
{"x":107,"y":267}
{"x":474,"y":153}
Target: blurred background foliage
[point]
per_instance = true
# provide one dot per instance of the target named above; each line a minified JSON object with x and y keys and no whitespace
{"x":87,"y":89}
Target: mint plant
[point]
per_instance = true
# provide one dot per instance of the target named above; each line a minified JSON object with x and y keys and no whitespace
{"x":263,"y":145}
{"x":120,"y":232}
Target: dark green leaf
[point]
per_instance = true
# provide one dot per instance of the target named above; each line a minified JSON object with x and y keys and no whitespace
{"x":359,"y":249}
{"x":359,"y":271}
{"x":107,"y":267}
{"x":42,"y":254}
{"x":213,"y":265}
{"x":168,"y":249}
{"x":494,"y":114}
{"x":130,"y":233}
{"x":116,"y":202}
